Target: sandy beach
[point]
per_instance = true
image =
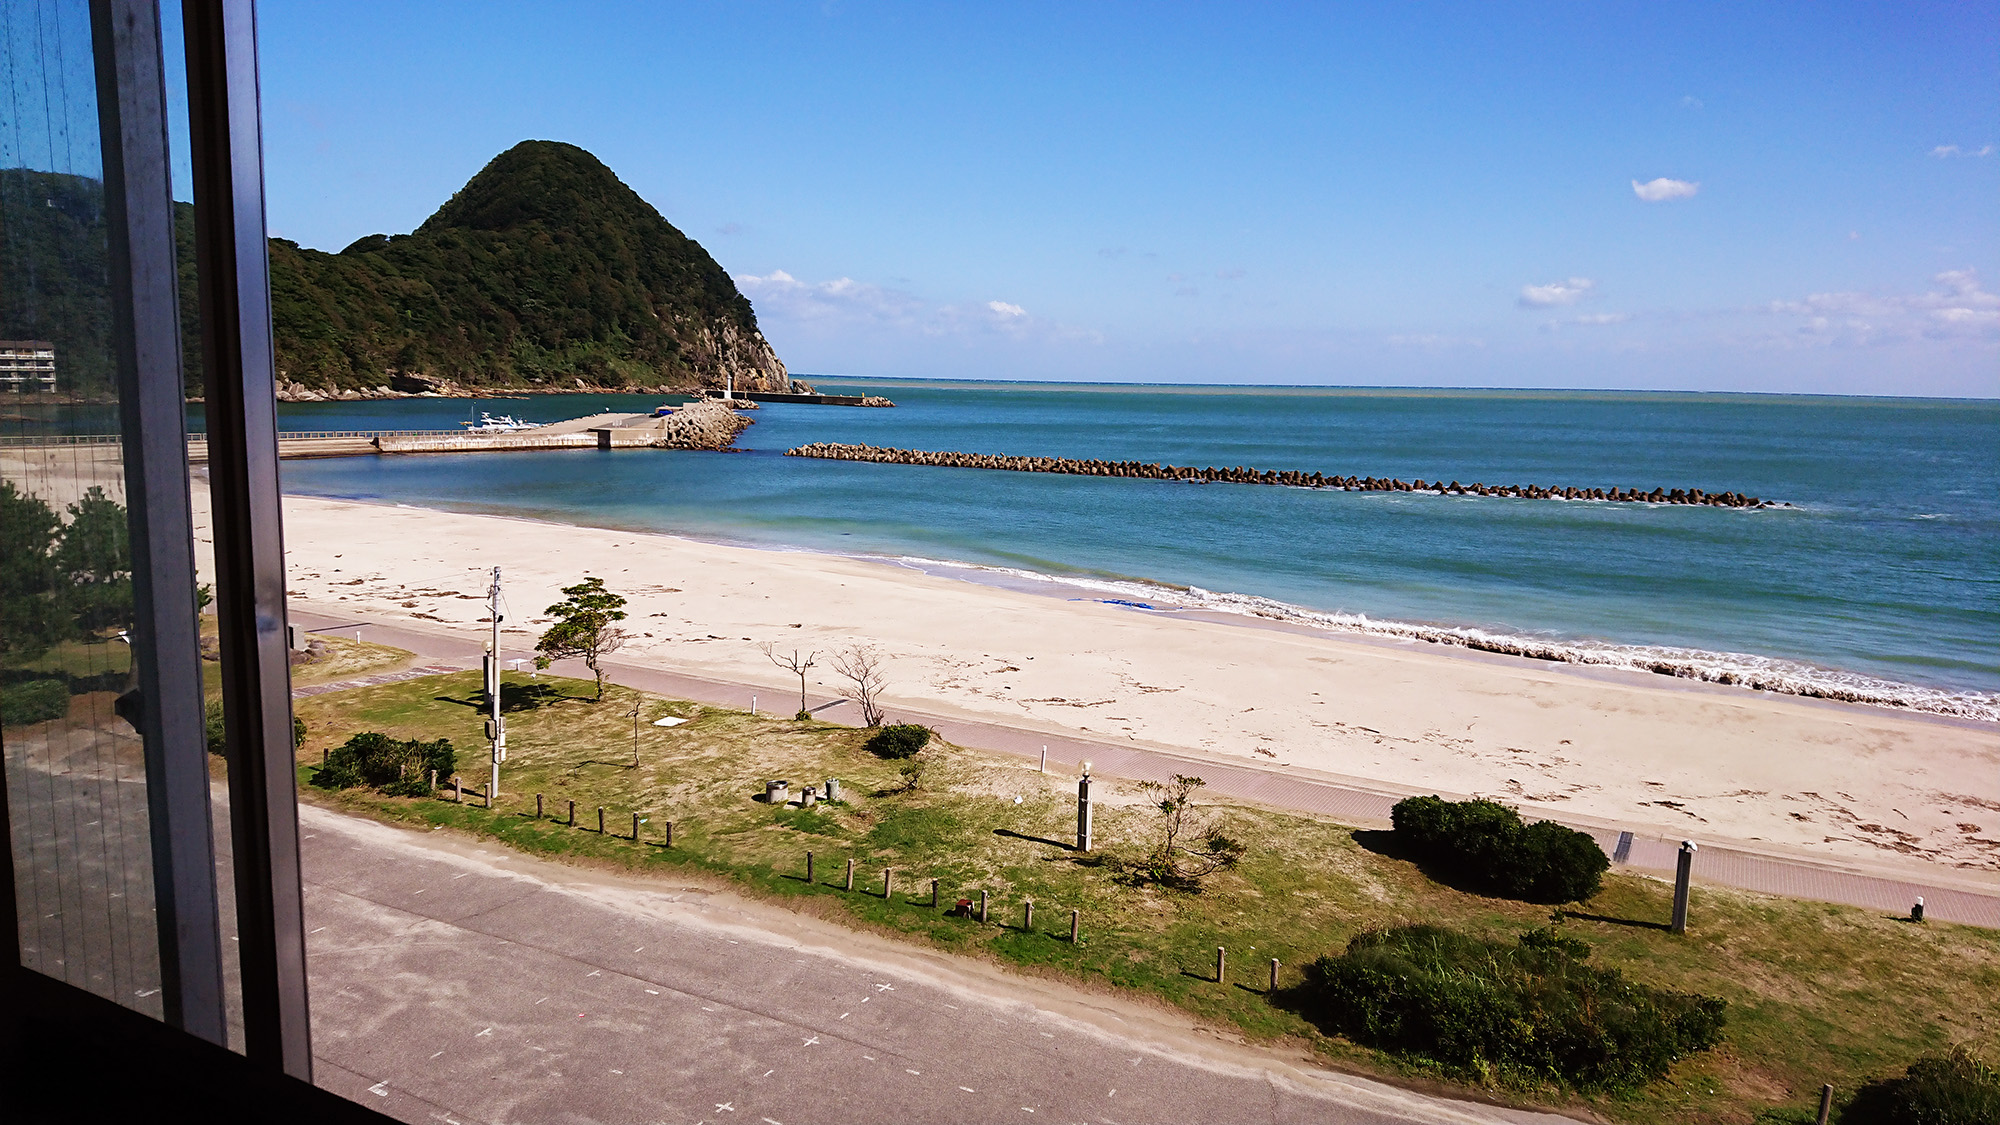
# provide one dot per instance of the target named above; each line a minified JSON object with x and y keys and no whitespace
{"x":1841,"y":782}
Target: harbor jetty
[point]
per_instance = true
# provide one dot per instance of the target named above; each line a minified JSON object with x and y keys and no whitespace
{"x":814,"y":399}
{"x":702,"y":424}
{"x":1140,"y":470}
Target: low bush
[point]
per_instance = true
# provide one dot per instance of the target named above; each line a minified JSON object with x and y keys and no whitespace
{"x":1521,"y":1013}
{"x":1485,"y":845}
{"x":400,"y":767}
{"x":1953,"y":1088}
{"x":898,"y":740}
{"x":218,"y":740}
{"x":33,"y":701}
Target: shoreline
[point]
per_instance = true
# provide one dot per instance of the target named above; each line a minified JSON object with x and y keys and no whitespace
{"x":1833,"y":780}
{"x":1748,"y":672}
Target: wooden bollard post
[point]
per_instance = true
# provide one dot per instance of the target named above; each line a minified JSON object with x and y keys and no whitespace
{"x":809,"y":867}
{"x":667,"y":834}
{"x":1917,"y":911}
{"x":538,"y":806}
{"x":1221,"y":962}
{"x":1683,"y":869}
{"x":1274,"y":977}
{"x":635,"y":828}
{"x":572,"y":814}
{"x":434,"y":782}
{"x":600,"y":820}
{"x":850,"y":873}
{"x":1028,"y":915}
{"x":457,"y":790}
{"x":1825,"y":1103}
{"x":934,"y":893}
{"x":982,"y":906}
{"x":322,"y":758}
{"x":1073,"y":915}
{"x":888,"y":882}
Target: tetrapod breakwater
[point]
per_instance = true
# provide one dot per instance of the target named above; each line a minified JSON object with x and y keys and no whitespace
{"x":1141,"y":470}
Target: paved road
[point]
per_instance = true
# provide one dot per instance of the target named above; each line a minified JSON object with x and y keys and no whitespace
{"x":460,"y":982}
{"x":1948,"y":896}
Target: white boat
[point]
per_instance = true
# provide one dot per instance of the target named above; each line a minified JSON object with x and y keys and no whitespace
{"x":504,"y":424}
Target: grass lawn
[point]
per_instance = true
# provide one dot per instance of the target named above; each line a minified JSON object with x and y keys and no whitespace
{"x":1817,"y":993}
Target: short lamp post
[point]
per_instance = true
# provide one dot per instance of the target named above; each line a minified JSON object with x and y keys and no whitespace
{"x":1083,"y":810}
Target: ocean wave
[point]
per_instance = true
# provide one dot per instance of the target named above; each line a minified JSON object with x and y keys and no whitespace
{"x":1745,"y":670}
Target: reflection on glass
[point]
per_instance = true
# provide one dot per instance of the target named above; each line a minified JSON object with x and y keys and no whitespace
{"x":75,"y":768}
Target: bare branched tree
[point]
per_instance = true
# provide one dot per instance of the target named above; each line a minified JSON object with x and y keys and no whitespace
{"x":1190,"y":846}
{"x":796,"y":665}
{"x":862,"y":666}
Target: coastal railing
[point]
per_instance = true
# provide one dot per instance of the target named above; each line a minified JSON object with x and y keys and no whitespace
{"x":15,"y":441}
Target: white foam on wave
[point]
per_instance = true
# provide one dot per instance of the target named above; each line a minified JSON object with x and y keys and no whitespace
{"x":1746,"y":670}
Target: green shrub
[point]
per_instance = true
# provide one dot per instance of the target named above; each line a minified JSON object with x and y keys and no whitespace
{"x":1953,"y":1088}
{"x":1524,"y":1013}
{"x":34,"y":701}
{"x":212,"y":727}
{"x":1484,"y":845}
{"x":400,"y":767}
{"x":899,"y":740}
{"x":218,"y":742}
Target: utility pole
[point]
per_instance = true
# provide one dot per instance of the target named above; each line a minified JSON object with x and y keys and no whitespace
{"x":496,"y":727}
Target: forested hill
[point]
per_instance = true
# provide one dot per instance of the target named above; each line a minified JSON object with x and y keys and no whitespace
{"x":545,"y":270}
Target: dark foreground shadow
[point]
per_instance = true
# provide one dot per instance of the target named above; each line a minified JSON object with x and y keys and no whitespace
{"x":1634,"y":923}
{"x":515,"y":698}
{"x":1011,"y":834}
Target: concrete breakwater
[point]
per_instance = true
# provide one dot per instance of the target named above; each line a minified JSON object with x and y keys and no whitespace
{"x":834,"y":451}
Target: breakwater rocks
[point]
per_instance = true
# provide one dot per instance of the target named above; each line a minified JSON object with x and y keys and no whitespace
{"x":701,"y":424}
{"x":1140,"y":470}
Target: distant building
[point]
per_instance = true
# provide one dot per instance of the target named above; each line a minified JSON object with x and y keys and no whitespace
{"x":27,"y":365}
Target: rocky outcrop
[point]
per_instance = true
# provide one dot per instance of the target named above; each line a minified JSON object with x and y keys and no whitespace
{"x":702,"y":424}
{"x":1242,"y":475}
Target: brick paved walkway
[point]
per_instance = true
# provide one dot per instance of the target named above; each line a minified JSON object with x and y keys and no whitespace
{"x":1358,"y":804}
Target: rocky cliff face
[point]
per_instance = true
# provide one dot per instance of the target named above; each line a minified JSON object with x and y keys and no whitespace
{"x":544,"y":271}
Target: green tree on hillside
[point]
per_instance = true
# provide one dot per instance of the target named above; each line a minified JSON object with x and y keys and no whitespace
{"x":585,"y":627}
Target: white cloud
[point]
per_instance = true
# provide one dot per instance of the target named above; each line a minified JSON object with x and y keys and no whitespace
{"x":1958,"y":308}
{"x":1663,"y":189}
{"x":844,"y":304}
{"x":1946,"y":152}
{"x":1601,"y":318}
{"x":1555,"y":293}
{"x":1691,"y":102}
{"x":1229,"y":275}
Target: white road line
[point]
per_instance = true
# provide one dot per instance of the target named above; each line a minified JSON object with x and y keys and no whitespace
{"x":968,"y":1089}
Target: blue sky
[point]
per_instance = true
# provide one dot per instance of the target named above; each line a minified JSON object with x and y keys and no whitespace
{"x":1769,"y":197}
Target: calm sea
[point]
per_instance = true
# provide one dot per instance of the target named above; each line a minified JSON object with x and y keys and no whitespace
{"x":1883,"y":578}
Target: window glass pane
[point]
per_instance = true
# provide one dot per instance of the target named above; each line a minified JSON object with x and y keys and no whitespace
{"x":75,"y":769}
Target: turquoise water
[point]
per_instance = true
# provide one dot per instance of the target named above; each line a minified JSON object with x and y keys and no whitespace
{"x":1883,"y":580}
